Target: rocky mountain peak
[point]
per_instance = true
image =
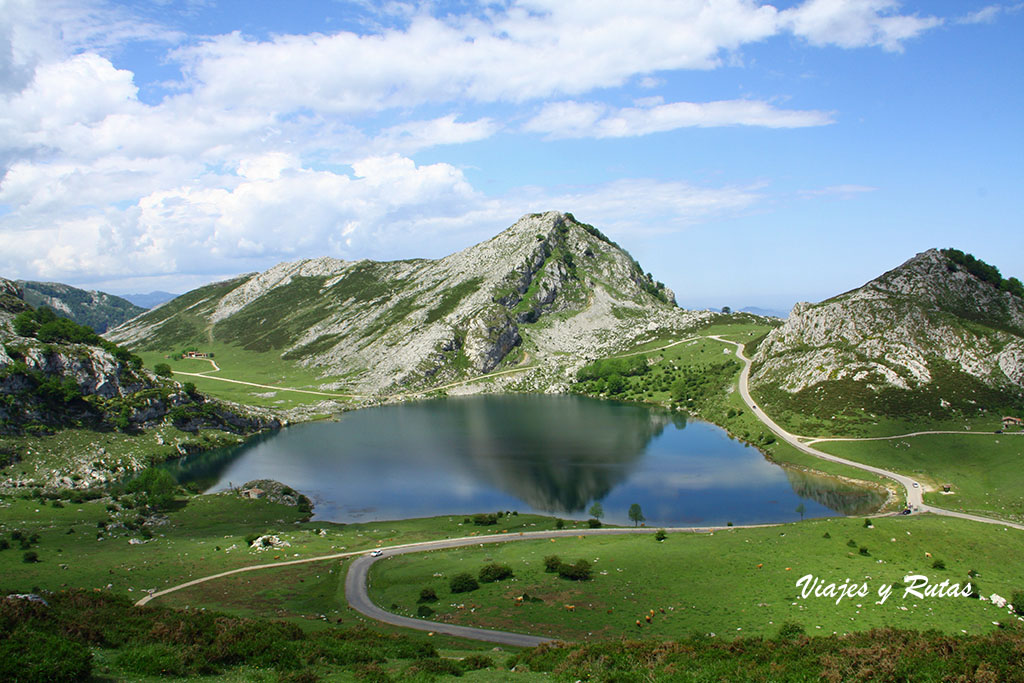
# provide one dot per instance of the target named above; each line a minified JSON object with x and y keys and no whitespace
{"x":544,"y":287}
{"x":942,"y":322}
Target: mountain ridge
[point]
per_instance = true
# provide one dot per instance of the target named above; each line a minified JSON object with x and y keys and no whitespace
{"x":928,"y":325}
{"x":547,"y":287}
{"x":99,"y":310}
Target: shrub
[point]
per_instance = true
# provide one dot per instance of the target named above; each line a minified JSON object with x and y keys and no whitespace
{"x":580,"y":571}
{"x":938,"y":564}
{"x":852,"y":543}
{"x":826,"y":535}
{"x":36,"y":656}
{"x":30,"y":557}
{"x":427,"y":595}
{"x":153,"y":659}
{"x":559,"y":523}
{"x":552,"y":563}
{"x":435,"y":666}
{"x":424,"y":612}
{"x":463,"y":583}
{"x":481,"y":519}
{"x":475,"y":662}
{"x":594,"y":523}
{"x":863,"y":550}
{"x":163,"y":370}
{"x":1017,"y":600}
{"x":495,"y":572}
{"x":790,"y":630}
{"x":660,"y":535}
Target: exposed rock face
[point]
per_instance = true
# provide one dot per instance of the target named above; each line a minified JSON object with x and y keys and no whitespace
{"x":62,"y":384}
{"x":546,"y":288}
{"x":925,"y":318}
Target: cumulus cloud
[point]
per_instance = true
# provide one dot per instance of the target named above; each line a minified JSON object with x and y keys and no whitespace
{"x":577,"y":120}
{"x":277,"y":210}
{"x":300,"y":144}
{"x":855,"y":23}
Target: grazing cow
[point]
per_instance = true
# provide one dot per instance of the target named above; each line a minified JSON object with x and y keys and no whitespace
{"x":570,"y":608}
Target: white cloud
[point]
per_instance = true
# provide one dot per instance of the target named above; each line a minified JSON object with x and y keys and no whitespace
{"x":988,"y":14}
{"x":216,"y":176}
{"x":855,"y":23}
{"x":276,"y":211}
{"x":413,"y":136}
{"x":577,"y":120}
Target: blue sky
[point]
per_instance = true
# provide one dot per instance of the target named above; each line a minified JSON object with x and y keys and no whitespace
{"x":746,"y":153}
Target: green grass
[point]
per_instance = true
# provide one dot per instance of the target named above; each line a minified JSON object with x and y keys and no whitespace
{"x":730,"y":596}
{"x":235,"y":362}
{"x":205,"y":536}
{"x":986,"y":471}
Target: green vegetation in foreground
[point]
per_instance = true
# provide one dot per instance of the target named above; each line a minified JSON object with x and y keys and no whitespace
{"x":881,"y":655}
{"x":985,"y":471}
{"x":700,"y":376}
{"x":258,"y":367}
{"x":77,"y":634}
{"x":747,"y":589}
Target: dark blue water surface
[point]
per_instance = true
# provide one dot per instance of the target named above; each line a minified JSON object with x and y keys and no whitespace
{"x":547,"y":454}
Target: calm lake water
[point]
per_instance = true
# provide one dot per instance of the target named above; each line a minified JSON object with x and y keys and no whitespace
{"x":548,"y":454}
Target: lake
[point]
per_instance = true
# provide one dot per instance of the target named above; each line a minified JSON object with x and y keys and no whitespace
{"x":552,"y":455}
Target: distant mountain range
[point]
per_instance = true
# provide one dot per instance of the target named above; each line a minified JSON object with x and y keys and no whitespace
{"x":765,"y":312}
{"x":151,"y":300}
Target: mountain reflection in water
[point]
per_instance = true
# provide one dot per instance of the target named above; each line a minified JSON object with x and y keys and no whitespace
{"x":547,"y":454}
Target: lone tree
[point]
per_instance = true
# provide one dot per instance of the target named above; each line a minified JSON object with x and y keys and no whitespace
{"x":154,"y":488}
{"x":801,"y":509}
{"x":596,"y":511}
{"x":636,"y":514}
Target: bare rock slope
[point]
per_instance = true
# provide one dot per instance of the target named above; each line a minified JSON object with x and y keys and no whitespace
{"x":927,"y":336}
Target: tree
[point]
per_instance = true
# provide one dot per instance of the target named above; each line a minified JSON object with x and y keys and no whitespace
{"x":155,"y":487}
{"x":636,"y":514}
{"x":801,"y":509}
{"x":726,"y":310}
{"x":615,"y":385}
{"x":163,"y":370}
{"x":596,"y":511}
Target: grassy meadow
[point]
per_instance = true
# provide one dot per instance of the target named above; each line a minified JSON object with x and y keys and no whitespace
{"x":258,"y":367}
{"x":736,"y":582}
{"x":985,"y":471}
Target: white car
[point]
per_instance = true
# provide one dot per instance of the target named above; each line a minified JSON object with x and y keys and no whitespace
{"x":376,"y":553}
